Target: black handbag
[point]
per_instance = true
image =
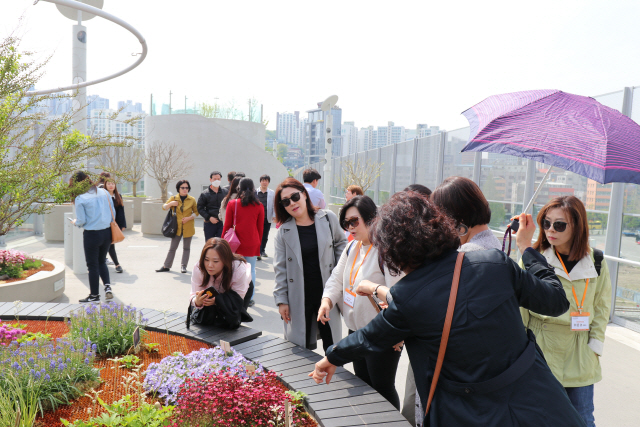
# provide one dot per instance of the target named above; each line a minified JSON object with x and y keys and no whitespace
{"x":170,"y":225}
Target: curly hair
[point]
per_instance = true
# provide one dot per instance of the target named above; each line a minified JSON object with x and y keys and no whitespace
{"x":410,"y":230}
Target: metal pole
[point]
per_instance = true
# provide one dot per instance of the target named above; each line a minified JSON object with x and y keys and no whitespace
{"x":151,"y":106}
{"x":328,"y":127}
{"x":614,"y":223}
{"x":185,"y":104}
{"x":394,"y":160}
{"x":170,"y":93}
{"x":79,"y":74}
{"x":377,"y":185}
{"x":414,"y":161}
{"x":529,"y":184}
{"x":440,"y":164}
{"x":477,"y":167}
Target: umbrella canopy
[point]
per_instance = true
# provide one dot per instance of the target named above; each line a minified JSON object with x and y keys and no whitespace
{"x":572,"y":132}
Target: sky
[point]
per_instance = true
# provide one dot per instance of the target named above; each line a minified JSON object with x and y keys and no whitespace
{"x":403,"y":61}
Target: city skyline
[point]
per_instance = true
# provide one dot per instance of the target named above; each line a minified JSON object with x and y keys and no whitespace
{"x":432,"y":72}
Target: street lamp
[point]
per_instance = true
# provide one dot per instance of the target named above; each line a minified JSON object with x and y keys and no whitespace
{"x":326,"y":106}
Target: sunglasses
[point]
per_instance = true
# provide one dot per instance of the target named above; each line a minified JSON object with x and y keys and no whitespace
{"x":295,"y":197}
{"x":184,"y":188}
{"x":558,"y":226}
{"x":354,"y":221}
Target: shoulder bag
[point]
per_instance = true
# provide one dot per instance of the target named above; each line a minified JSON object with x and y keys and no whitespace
{"x":230,"y":236}
{"x":170,"y":224}
{"x":117,"y":235}
{"x":447,"y":328}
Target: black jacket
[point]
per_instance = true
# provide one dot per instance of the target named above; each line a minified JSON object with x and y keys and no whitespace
{"x":120,"y":219}
{"x":228,"y":312}
{"x":209,"y":202}
{"x":493,"y":373}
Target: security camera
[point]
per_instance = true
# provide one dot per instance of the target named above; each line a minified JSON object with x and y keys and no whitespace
{"x":328,"y":130}
{"x":328,"y":140}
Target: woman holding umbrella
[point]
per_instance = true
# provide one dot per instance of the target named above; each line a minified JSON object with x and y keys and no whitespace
{"x":573,"y":342}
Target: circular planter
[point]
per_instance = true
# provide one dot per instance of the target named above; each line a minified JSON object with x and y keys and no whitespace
{"x":43,"y":286}
{"x":137,"y":209}
{"x":152,"y":217}
{"x":129,"y":213}
{"x":54,"y":222}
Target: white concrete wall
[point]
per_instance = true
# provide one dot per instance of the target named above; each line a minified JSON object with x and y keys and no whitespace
{"x":213,"y":144}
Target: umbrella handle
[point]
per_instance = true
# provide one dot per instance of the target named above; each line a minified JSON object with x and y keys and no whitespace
{"x":515,"y":224}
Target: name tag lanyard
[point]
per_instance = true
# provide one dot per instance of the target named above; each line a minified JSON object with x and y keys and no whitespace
{"x":352,"y":278}
{"x":575,"y":296}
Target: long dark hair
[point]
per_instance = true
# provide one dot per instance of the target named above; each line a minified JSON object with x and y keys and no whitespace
{"x":106,"y":177}
{"x":247,"y":192}
{"x":80,"y":183}
{"x":576,"y":212}
{"x":227,"y":257}
{"x":233,"y":188}
{"x":281,"y":212}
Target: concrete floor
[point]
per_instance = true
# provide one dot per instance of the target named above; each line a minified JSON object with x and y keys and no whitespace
{"x":617,"y":395}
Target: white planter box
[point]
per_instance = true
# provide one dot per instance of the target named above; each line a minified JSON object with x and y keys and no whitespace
{"x":54,"y":222}
{"x":152,"y":218}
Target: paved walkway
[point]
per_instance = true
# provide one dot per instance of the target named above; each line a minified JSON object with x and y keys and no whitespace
{"x":617,"y":395}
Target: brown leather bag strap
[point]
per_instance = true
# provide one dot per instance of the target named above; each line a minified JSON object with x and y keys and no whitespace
{"x":447,"y":328}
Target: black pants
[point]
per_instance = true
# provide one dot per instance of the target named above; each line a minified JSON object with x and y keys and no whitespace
{"x":311,"y":317}
{"x":96,"y":246}
{"x":113,"y":255}
{"x":212,"y":230}
{"x":265,"y":235}
{"x":379,"y":371}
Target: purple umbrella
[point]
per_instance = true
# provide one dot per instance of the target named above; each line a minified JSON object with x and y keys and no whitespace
{"x":572,"y":132}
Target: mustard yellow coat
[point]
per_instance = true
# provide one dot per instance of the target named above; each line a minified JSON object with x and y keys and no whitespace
{"x":184,"y":210}
{"x":574,"y":356}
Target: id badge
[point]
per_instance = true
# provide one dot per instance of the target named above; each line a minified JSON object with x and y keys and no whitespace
{"x":349,"y":298}
{"x":579,"y":321}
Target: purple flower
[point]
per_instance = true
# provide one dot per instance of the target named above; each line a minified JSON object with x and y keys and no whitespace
{"x":47,"y":377}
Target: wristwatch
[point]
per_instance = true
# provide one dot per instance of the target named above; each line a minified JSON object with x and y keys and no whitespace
{"x":375,"y":291}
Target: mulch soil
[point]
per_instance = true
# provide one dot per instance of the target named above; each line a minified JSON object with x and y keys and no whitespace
{"x":112,"y":388}
{"x":46,"y":266}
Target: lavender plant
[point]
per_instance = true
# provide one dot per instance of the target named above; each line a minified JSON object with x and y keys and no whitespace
{"x":165,"y":378}
{"x":109,"y":326}
{"x":59,"y":370}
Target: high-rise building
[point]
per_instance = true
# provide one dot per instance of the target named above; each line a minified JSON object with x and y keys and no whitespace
{"x":95,"y":102}
{"x":129,"y":107}
{"x":288,"y":128}
{"x":365,"y":139}
{"x":314,"y":144}
{"x":349,"y":138}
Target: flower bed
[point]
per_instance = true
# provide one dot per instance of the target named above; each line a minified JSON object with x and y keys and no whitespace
{"x":16,"y":265}
{"x":201,"y":381}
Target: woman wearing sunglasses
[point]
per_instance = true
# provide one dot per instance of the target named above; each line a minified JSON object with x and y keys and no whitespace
{"x":360,"y":262}
{"x":307,"y":246}
{"x":573,"y":343}
{"x":186,"y":209}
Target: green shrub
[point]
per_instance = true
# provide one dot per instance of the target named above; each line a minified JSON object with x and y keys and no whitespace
{"x":109,"y":326}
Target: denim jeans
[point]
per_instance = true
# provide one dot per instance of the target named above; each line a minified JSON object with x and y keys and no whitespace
{"x":96,"y":246}
{"x":582,"y":399}
{"x":252,"y":262}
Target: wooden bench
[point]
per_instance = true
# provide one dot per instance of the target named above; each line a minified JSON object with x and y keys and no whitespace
{"x":347,"y":401}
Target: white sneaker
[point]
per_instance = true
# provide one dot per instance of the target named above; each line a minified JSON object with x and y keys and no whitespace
{"x":109,"y":262}
{"x":107,"y":292}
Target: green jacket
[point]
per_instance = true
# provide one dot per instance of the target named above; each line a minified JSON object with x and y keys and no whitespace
{"x":573,"y":356}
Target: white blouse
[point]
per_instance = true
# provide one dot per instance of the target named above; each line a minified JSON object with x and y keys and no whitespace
{"x":363,"y":311}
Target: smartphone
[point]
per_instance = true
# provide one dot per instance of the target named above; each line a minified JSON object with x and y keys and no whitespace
{"x":211,"y":292}
{"x":70,"y":219}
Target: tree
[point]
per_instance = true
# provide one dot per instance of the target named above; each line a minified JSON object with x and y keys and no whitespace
{"x":125,"y":164}
{"x":166,"y":162}
{"x":281,"y":152}
{"x":363,"y":174}
{"x":36,"y":150}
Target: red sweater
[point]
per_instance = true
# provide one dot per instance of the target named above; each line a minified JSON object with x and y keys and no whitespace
{"x":249,"y":226}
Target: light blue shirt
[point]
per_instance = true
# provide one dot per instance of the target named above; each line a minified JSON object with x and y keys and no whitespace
{"x":317,"y":198}
{"x":93,"y":210}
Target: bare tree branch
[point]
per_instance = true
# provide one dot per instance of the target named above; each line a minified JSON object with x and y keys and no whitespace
{"x":166,"y":162}
{"x":362,"y":174}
